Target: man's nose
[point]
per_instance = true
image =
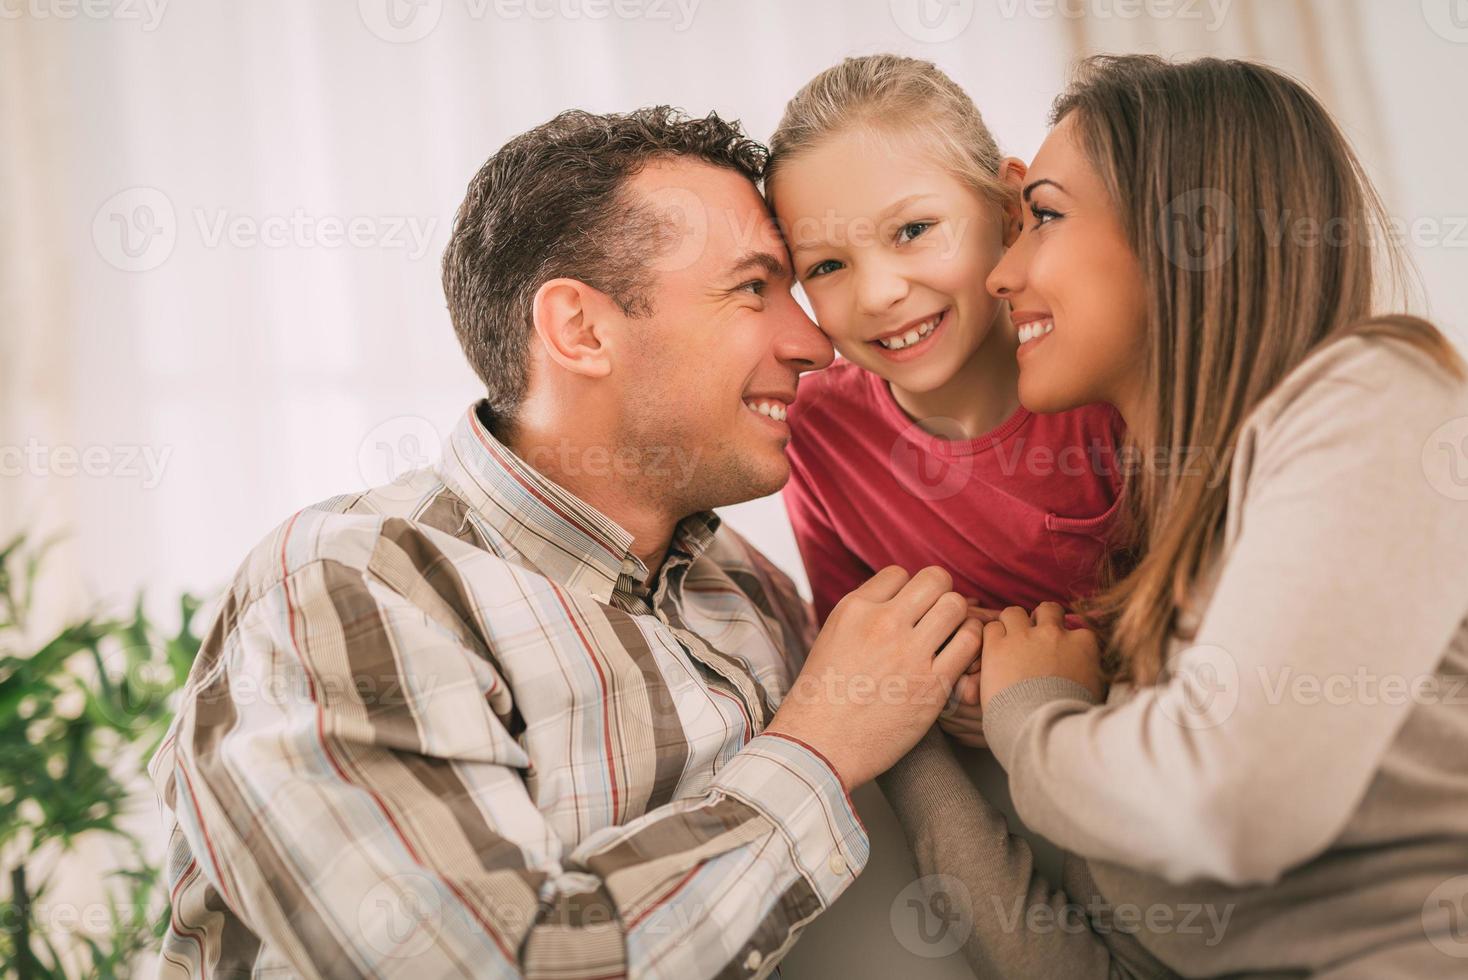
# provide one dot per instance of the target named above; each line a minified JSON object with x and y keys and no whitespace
{"x":801,"y":343}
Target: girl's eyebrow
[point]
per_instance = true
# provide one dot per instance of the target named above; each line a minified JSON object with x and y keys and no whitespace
{"x":898,"y":205}
{"x":1036,"y":183}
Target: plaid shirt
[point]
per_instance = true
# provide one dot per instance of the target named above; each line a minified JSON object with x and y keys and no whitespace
{"x":440,"y":728}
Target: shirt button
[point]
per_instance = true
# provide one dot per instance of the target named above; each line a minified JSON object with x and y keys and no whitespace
{"x":837,"y":864}
{"x":753,"y":960}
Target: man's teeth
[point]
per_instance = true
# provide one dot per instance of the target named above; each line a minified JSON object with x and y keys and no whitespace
{"x":912,"y":336}
{"x":1034,"y":329}
{"x":770,"y":410}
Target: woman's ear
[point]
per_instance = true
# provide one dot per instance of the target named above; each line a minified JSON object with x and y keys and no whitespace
{"x":569,"y":318}
{"x":1012,"y":171}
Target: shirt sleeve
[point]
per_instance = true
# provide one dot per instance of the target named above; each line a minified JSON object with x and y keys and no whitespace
{"x":1254,"y":752}
{"x":343,"y":768}
{"x":833,"y":570}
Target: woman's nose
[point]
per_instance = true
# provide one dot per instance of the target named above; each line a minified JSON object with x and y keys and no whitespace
{"x":1005,"y":278}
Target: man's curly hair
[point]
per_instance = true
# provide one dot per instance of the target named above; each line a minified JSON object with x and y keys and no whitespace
{"x":553,"y":203}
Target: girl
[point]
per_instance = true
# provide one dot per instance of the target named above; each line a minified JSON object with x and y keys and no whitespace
{"x":1276,"y":780}
{"x":914,"y":450}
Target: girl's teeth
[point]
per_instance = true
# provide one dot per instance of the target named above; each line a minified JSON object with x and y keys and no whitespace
{"x":1038,"y":328}
{"x":912,"y":336}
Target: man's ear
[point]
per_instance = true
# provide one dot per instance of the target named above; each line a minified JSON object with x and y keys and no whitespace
{"x":569,"y":318}
{"x":1012,"y":171}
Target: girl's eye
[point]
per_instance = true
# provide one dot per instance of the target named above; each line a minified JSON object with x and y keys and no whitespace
{"x":823,"y":268}
{"x":912,"y":230}
{"x":1042,"y":216}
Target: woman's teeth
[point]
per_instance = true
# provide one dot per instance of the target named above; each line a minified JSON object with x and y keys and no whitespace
{"x":1035,"y":329}
{"x":770,"y":410}
{"x":914,"y":335}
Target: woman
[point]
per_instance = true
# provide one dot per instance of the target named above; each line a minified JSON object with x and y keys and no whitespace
{"x":1275,"y":784}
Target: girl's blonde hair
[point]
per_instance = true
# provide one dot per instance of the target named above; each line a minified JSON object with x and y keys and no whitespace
{"x":889,"y":95}
{"x":1205,"y":160}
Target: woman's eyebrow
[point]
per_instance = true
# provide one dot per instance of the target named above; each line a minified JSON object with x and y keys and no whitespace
{"x":1037,"y":183}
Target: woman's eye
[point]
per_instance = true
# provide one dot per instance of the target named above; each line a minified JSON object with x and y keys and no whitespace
{"x":1042,"y":216}
{"x":912,"y":230}
{"x":823,"y":268}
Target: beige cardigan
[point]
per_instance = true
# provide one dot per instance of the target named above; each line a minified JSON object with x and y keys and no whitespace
{"x":1292,"y":798}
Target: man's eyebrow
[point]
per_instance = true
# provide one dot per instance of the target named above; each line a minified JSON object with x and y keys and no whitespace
{"x":1037,"y":183}
{"x":768,"y":261}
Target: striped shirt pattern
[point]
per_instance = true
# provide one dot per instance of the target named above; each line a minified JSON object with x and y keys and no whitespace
{"x":449,"y":727}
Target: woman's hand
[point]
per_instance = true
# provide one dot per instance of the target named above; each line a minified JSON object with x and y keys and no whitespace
{"x":1018,"y":646}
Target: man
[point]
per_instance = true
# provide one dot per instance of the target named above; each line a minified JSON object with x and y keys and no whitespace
{"x":525,"y":722}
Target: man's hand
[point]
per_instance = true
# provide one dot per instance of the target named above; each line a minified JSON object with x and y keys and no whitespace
{"x":1018,"y":646}
{"x":880,"y":671}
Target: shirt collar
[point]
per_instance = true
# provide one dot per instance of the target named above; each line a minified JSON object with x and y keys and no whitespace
{"x":563,"y":536}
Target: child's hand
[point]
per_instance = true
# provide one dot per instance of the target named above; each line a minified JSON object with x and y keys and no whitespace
{"x":963,"y":719}
{"x":979,"y":614}
{"x":1019,"y":646}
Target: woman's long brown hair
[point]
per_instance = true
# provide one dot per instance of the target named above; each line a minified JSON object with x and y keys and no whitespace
{"x":1259,"y":237}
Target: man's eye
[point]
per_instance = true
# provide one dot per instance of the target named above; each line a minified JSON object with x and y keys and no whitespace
{"x":823,"y":268}
{"x":755,"y":286}
{"x":912,"y":230}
